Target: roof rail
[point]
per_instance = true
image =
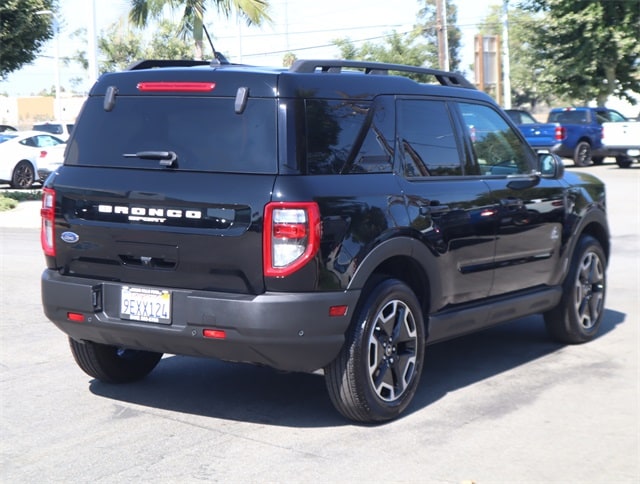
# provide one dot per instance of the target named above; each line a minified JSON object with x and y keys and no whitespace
{"x":445,"y":78}
{"x":152,"y":63}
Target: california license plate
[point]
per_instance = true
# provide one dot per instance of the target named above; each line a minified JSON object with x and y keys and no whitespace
{"x":145,"y":304}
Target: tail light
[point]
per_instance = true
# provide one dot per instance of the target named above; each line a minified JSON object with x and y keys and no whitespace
{"x":560,"y":133}
{"x":48,"y":215}
{"x":291,"y":236}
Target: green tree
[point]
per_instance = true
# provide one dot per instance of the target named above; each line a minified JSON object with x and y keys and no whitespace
{"x":397,"y":49}
{"x":23,"y":32}
{"x":590,"y":48}
{"x":121,"y":46}
{"x":165,"y":45}
{"x":527,"y":68}
{"x":253,"y":11}
{"x":428,"y":25}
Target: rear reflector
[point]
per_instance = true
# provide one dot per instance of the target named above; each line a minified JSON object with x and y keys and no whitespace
{"x":176,"y":86}
{"x":214,"y":333}
{"x":336,"y":311}
{"x":75,"y":317}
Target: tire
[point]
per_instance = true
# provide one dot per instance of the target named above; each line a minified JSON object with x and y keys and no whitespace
{"x":111,"y":364}
{"x":578,"y":316}
{"x":582,"y":154}
{"x":23,"y":175}
{"x":377,"y":372}
{"x":597,"y":160}
{"x":624,"y":161}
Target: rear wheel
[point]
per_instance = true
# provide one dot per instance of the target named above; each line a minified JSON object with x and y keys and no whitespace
{"x":624,"y":161}
{"x":582,"y":154}
{"x":112,"y":364}
{"x":23,"y":175}
{"x":577,"y":317}
{"x":376,"y":374}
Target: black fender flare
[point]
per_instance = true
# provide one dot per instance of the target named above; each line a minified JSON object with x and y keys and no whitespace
{"x":405,"y":247}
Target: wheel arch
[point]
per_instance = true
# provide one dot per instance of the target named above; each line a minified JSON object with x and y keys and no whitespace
{"x":408,"y":260}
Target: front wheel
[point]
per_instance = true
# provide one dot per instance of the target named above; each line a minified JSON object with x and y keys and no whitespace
{"x":577,"y":317}
{"x":376,"y":374}
{"x":112,"y":364}
{"x":582,"y":154}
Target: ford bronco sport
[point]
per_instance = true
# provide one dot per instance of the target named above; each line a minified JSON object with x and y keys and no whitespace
{"x":332,"y":216}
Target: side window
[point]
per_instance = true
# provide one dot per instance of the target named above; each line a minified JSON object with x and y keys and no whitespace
{"x":426,"y":139}
{"x":348,"y":137}
{"x":616,"y":117}
{"x":498,"y":149}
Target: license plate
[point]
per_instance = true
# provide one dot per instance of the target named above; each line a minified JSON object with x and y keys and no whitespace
{"x":145,"y":304}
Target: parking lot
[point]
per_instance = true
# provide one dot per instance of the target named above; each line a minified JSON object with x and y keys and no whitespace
{"x":503,"y":406}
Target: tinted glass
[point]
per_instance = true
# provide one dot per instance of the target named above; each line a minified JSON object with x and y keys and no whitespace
{"x":498,"y":149}
{"x":205,"y":133}
{"x":49,"y":128}
{"x":426,"y":139}
{"x":348,"y":137}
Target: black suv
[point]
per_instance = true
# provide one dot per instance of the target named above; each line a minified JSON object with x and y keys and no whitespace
{"x":334,"y":215}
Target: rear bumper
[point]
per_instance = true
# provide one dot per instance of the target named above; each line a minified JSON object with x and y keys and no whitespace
{"x":287,"y":331}
{"x":628,"y":151}
{"x":543,"y":148}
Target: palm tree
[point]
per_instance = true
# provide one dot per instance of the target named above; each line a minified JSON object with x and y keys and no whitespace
{"x":253,"y":11}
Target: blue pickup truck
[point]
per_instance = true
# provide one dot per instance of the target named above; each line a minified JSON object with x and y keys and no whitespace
{"x":574,"y":133}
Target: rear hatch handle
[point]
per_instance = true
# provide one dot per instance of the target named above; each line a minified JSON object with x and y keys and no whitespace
{"x":167,"y":158}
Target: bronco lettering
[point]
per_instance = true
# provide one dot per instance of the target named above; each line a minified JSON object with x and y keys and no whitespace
{"x":148,"y":213}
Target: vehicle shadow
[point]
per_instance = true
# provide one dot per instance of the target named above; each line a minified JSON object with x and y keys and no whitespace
{"x":249,"y":393}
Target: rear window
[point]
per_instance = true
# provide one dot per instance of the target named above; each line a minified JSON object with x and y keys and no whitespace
{"x":205,"y":134}
{"x":49,"y":128}
{"x":569,"y":117}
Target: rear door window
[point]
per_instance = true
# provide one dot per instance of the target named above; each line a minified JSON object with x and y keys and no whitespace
{"x":205,"y":134}
{"x":426,"y":139}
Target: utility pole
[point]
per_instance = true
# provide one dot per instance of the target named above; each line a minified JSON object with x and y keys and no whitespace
{"x":443,"y":38}
{"x":505,"y":55}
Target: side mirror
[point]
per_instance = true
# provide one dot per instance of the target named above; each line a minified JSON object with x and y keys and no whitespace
{"x":550,"y":166}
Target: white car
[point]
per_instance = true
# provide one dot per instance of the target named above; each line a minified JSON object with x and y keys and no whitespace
{"x":22,"y":153}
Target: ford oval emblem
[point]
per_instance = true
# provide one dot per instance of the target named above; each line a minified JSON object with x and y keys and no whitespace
{"x":70,"y":237}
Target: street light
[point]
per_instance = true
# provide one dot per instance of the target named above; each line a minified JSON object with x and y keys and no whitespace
{"x":56,"y":67}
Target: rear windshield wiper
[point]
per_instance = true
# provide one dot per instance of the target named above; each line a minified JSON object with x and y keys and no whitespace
{"x":167,"y":158}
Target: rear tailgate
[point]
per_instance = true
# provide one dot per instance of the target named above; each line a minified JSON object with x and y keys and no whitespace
{"x":541,"y":134}
{"x":167,"y":229}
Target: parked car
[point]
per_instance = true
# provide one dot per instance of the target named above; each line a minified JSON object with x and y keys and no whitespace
{"x":61,"y":130}
{"x":543,"y":137}
{"x":6,"y":127}
{"x":329,"y":216}
{"x":22,"y":151}
{"x":623,"y":140}
{"x":582,"y":133}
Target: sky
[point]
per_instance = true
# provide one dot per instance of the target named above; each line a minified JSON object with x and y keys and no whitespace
{"x":306,"y":28}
